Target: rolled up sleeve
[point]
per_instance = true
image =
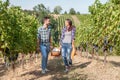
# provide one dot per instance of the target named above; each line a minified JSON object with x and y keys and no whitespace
{"x":73,"y":33}
{"x":38,"y":33}
{"x":62,"y":36}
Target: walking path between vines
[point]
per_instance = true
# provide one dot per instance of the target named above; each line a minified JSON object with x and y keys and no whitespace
{"x":76,"y":20}
{"x":82,"y":69}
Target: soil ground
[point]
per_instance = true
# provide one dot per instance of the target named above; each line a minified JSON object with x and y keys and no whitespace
{"x":82,"y":69}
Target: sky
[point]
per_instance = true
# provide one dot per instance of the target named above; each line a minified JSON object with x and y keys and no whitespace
{"x":78,"y":5}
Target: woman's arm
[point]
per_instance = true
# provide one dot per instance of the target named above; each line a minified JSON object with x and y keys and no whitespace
{"x":62,"y":36}
{"x":73,"y":36}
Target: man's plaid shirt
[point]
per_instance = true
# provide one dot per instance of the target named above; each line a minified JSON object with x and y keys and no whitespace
{"x":44,"y":34}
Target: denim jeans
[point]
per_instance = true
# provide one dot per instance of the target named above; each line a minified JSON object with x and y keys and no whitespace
{"x":66,"y":53}
{"x":45,"y":48}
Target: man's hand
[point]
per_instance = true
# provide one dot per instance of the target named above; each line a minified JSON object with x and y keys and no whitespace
{"x":38,"y":43}
{"x":38,"y":49}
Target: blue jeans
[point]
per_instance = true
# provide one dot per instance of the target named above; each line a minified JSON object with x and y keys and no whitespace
{"x":66,"y":53}
{"x":45,"y":48}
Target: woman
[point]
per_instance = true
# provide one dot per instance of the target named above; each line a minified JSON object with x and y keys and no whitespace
{"x":67,"y":42}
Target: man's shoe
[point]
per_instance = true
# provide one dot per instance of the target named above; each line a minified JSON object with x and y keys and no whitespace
{"x":43,"y":72}
{"x":47,"y":70}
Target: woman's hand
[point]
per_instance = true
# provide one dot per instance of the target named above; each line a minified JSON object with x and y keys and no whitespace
{"x":73,"y":46}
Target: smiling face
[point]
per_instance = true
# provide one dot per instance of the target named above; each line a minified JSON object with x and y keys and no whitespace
{"x":67,"y":23}
{"x":47,"y":21}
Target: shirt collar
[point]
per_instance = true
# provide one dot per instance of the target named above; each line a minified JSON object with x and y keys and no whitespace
{"x":46,"y":28}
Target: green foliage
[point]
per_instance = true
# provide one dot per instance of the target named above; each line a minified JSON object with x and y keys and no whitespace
{"x":103,"y":22}
{"x":83,"y":30}
{"x":57,"y":9}
{"x":106,"y":18}
{"x":116,"y":1}
{"x":18,"y":30}
{"x":40,"y":11}
{"x":78,"y":13}
{"x":65,"y":12}
{"x":72,"y":11}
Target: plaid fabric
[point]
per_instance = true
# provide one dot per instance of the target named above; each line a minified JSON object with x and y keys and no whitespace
{"x":44,"y":34}
{"x":63,"y":34}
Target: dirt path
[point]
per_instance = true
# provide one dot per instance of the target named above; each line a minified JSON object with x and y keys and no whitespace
{"x":76,"y":20}
{"x":82,"y":69}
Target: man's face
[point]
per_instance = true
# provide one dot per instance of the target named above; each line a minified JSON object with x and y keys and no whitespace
{"x":47,"y":21}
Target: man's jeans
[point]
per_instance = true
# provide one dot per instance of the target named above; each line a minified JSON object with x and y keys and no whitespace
{"x":66,"y":53}
{"x":45,"y":48}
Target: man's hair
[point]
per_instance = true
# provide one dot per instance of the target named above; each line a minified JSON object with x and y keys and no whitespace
{"x":45,"y":18}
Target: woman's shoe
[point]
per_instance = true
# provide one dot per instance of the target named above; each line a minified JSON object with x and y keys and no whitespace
{"x":66,"y":69}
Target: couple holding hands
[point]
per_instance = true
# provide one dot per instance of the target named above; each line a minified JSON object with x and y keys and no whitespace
{"x":66,"y":42}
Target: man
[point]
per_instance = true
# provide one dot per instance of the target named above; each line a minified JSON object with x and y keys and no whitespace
{"x":43,"y":42}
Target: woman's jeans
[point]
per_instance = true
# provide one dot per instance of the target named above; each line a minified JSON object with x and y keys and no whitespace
{"x":66,"y":53}
{"x":45,"y":48}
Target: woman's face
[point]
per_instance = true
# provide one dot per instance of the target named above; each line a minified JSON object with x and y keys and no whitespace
{"x":66,"y":23}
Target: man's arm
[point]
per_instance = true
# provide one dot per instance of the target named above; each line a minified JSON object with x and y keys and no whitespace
{"x":51,"y":41}
{"x":38,"y":41}
{"x":38,"y":44}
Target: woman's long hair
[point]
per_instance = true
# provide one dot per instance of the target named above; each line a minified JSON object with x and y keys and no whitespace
{"x":70,"y":23}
